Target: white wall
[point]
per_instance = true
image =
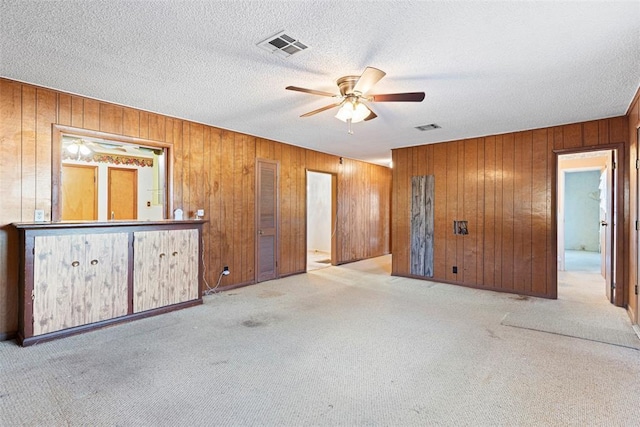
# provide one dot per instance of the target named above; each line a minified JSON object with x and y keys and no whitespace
{"x":582,"y":211}
{"x":319,"y":225}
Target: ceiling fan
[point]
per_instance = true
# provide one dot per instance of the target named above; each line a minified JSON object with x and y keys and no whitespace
{"x":353,"y":94}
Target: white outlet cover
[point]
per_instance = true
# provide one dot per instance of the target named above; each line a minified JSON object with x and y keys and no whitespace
{"x":200,"y":212}
{"x":38,"y":215}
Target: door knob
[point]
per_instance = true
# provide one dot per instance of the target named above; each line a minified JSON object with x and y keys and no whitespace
{"x":604,"y":223}
{"x":260,"y":232}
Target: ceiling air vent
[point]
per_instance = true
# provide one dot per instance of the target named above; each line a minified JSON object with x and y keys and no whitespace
{"x":432,"y":126}
{"x":283,"y":45}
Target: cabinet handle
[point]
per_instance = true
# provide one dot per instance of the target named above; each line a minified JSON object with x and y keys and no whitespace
{"x":94,"y":261}
{"x":75,"y":263}
{"x":175,"y":253}
{"x":162,"y":255}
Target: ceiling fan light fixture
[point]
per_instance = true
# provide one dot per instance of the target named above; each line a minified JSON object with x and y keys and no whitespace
{"x":354,"y":111}
{"x":345,"y":112}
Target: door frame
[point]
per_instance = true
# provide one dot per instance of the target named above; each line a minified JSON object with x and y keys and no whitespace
{"x":334,"y":214}
{"x":617,"y":264}
{"x":256,"y":270}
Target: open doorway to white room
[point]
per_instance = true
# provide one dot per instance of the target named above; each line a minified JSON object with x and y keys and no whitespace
{"x":586,"y":212}
{"x":321,"y":218}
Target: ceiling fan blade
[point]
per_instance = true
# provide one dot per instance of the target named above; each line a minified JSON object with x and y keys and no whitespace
{"x":370,"y":116}
{"x":311,"y":91}
{"x":320,"y":110}
{"x":369,"y":77}
{"x":397,"y":97}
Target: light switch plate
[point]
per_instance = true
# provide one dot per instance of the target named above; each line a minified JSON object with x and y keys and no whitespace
{"x":38,"y":215}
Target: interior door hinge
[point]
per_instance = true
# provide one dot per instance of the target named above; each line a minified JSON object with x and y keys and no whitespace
{"x":613,"y":165}
{"x":33,"y":295}
{"x":637,"y":163}
{"x":636,"y":289}
{"x":636,"y":225}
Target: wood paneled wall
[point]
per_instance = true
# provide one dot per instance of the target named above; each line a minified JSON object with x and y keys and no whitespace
{"x":504,"y":185}
{"x":213,"y":169}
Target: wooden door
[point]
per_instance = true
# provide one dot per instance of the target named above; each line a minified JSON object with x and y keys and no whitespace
{"x":123,"y":193}
{"x":79,"y":192}
{"x":609,"y":225}
{"x":266,"y":220}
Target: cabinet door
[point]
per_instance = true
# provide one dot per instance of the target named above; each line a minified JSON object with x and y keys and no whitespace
{"x":106,"y":270}
{"x":58,"y":278}
{"x":79,"y":279}
{"x":149,"y":271}
{"x":184,"y":264}
{"x":165,"y":268}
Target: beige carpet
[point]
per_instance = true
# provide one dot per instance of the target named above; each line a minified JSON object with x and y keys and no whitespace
{"x":581,"y":311}
{"x":341,"y":346}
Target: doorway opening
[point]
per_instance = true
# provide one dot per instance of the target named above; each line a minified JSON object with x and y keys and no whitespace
{"x":586,"y":210}
{"x":321,"y":220}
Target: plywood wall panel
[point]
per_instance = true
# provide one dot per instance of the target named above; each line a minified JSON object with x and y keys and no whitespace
{"x":489,"y":219}
{"x":28,"y":160}
{"x":111,"y":118}
{"x":603,"y":132}
{"x":572,"y":135}
{"x":77,"y":111}
{"x":498,"y":217}
{"x":143,"y":130}
{"x":10,"y":194}
{"x":617,"y":130}
{"x":505,"y":185}
{"x":451,"y":249}
{"x":248,"y":203}
{"x":91,"y":114}
{"x":130,"y":122}
{"x":590,"y":133}
{"x":45,"y":115}
{"x":540,"y":237}
{"x":157,"y":125}
{"x":64,"y":109}
{"x":469,"y":201}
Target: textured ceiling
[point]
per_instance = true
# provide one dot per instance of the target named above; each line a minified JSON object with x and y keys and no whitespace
{"x":486,"y":67}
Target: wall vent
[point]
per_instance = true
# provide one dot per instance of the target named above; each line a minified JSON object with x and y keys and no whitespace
{"x":283,"y":45}
{"x":432,"y":126}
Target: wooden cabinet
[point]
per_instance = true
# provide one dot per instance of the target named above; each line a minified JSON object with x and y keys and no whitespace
{"x":165,"y":268}
{"x":80,"y":276}
{"x":78,"y":279}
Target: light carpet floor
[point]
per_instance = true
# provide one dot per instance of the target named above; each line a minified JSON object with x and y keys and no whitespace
{"x":347,"y":345}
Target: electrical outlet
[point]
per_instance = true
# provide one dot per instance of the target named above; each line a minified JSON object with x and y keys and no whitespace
{"x":455,"y":269}
{"x":200,"y":213}
{"x":38,"y":215}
